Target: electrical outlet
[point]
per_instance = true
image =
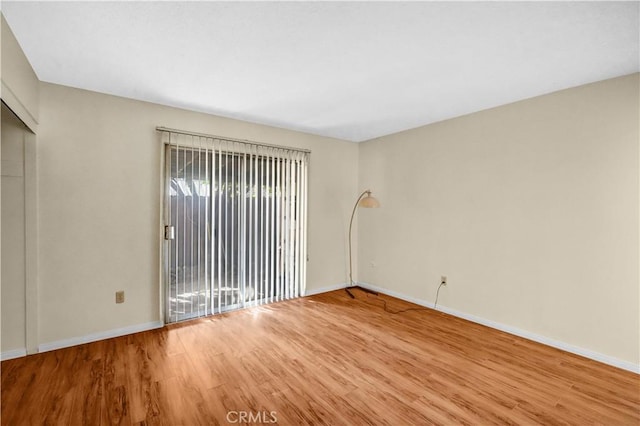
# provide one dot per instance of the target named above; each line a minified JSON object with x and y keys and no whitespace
{"x":120,"y":296}
{"x":443,"y":279}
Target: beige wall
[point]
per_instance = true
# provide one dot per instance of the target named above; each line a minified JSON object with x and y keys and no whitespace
{"x":530,"y":209}
{"x":99,"y":177}
{"x":13,"y":233}
{"x":18,"y":90}
{"x":19,"y":82}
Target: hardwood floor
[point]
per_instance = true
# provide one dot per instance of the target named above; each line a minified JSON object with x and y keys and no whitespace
{"x":324,"y":359}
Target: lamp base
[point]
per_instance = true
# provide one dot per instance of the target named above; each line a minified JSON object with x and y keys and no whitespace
{"x":366,"y":290}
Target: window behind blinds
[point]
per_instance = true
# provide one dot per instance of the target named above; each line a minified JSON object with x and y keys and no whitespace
{"x":236,"y":224}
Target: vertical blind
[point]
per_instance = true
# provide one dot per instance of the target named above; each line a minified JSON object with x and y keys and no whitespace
{"x":235,"y":213}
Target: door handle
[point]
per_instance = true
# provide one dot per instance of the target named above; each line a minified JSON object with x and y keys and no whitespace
{"x":169,"y":232}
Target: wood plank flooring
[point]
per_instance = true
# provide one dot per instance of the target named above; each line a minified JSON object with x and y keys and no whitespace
{"x":325,"y":359}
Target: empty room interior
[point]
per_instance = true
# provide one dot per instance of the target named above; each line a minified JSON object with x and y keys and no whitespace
{"x":341,"y":213}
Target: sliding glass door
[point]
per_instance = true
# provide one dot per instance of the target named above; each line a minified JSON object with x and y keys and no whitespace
{"x":235,"y":218}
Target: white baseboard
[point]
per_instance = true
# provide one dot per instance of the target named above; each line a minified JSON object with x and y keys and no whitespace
{"x":94,"y":337}
{"x":325,"y":289}
{"x":14,"y":353}
{"x":587,"y":353}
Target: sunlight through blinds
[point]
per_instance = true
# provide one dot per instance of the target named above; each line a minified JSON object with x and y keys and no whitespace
{"x":235,"y":224}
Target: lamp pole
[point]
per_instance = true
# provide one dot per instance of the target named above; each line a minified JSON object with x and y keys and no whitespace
{"x":353,"y":213}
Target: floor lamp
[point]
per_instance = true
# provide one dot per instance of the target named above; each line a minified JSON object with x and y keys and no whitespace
{"x":367,"y":201}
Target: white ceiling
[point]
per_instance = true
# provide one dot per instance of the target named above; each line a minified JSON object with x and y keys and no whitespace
{"x":354,"y":70}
